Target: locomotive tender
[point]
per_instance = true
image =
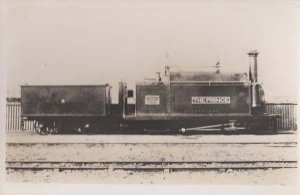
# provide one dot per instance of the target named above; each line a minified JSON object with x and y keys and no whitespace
{"x":185,"y":100}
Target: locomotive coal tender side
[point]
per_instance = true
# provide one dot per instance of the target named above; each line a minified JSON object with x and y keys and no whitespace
{"x":202,"y":100}
{"x":75,"y":108}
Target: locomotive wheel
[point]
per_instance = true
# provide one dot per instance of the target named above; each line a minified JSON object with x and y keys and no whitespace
{"x":54,"y":128}
{"x":50,"y":130}
{"x":45,"y":129}
{"x":79,"y":129}
{"x":39,"y":128}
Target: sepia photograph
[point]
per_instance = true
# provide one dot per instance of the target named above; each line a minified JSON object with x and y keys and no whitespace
{"x":149,"y":92}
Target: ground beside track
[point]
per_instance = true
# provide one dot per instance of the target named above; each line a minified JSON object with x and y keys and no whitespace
{"x":207,"y":177}
{"x":28,"y":146}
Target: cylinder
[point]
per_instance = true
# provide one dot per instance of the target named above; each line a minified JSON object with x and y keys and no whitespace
{"x":253,"y":65}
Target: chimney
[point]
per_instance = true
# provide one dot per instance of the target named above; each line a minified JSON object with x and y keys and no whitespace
{"x":253,"y":78}
{"x":253,"y":65}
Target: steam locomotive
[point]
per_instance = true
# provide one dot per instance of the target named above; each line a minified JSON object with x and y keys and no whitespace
{"x":179,"y":101}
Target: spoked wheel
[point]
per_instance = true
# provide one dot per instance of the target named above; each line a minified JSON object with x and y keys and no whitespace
{"x":79,"y":130}
{"x":44,"y":129}
{"x":40,"y":128}
{"x":53,"y":129}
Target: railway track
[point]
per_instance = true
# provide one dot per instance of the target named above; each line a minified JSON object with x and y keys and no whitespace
{"x":151,"y":155}
{"x":150,"y":166}
{"x":279,"y":144}
{"x":239,"y":159}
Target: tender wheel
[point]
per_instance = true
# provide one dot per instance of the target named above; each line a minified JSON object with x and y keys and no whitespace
{"x":49,"y":130}
{"x":44,"y":128}
{"x":80,"y":129}
{"x":39,"y":128}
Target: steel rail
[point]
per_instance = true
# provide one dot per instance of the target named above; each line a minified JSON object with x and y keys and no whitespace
{"x":283,"y":144}
{"x":154,"y":166}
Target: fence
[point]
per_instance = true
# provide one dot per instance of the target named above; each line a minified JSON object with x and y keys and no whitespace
{"x":13,"y":119}
{"x":286,"y":122}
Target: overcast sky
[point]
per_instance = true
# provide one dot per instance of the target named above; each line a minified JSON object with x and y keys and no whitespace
{"x":97,"y":42}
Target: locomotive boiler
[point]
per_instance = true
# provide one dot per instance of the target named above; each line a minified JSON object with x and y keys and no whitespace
{"x":199,"y":100}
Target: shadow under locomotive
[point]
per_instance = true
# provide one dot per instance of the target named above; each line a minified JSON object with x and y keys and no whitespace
{"x":206,"y":100}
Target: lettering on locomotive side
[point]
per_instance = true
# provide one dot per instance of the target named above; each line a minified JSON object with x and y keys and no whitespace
{"x":152,"y":100}
{"x":210,"y":100}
